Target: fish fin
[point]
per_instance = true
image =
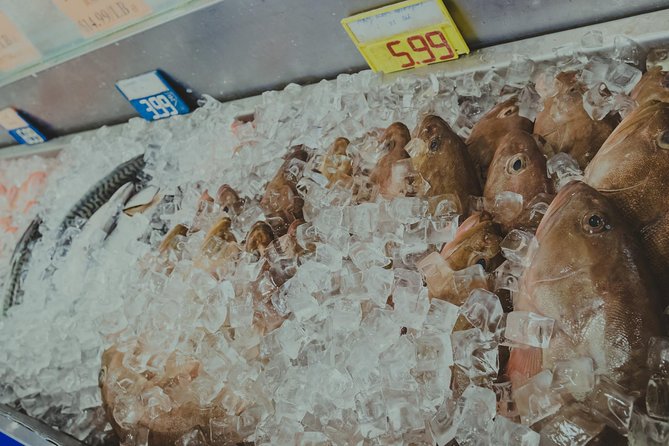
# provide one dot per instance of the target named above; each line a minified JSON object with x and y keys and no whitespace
{"x":523,"y":364}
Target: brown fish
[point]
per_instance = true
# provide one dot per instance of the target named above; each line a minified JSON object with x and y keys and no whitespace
{"x":259,"y":237}
{"x":394,"y":139}
{"x":218,"y":249}
{"x":281,"y":202}
{"x":336,"y":166}
{"x":518,"y":166}
{"x":631,"y":170}
{"x":491,"y":128}
{"x":566,"y":125}
{"x":590,"y":276}
{"x":653,"y":86}
{"x":229,"y":200}
{"x":477,"y":242}
{"x":442,"y":160}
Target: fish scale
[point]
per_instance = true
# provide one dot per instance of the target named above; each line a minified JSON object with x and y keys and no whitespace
{"x":19,"y":259}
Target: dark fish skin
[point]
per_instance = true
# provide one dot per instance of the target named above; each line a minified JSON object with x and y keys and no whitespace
{"x":102,"y":191}
{"x":12,"y":289}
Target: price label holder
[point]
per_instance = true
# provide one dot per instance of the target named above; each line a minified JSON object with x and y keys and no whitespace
{"x":405,"y":35}
{"x":152,"y":96}
{"x":20,"y":128}
{"x":97,"y":16}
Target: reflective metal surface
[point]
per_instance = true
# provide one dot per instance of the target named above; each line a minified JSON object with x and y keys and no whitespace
{"x":238,"y":48}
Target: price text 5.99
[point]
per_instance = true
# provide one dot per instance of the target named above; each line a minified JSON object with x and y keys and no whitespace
{"x":433,"y":44}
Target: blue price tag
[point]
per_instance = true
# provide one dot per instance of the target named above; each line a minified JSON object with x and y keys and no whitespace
{"x":152,"y":96}
{"x":20,"y":128}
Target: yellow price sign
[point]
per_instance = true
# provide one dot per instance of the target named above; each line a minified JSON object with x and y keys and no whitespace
{"x":406,"y":35}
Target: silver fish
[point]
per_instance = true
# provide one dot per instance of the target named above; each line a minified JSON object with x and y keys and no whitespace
{"x":12,"y":288}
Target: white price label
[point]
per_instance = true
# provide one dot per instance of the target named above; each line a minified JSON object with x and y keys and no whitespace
{"x":10,"y":119}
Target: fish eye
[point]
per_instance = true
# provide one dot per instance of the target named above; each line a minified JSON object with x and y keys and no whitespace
{"x":508,"y":111}
{"x":663,"y":140}
{"x":434,"y":144}
{"x":389,"y":145}
{"x":481,"y":262}
{"x":516,"y":164}
{"x":595,"y":223}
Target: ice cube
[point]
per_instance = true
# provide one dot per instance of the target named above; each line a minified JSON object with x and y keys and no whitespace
{"x":612,"y":403}
{"x":627,"y":51}
{"x":575,"y":376}
{"x":592,"y":39}
{"x":410,"y":308}
{"x":623,"y":78}
{"x":524,"y":327}
{"x":378,"y":284}
{"x":506,"y":406}
{"x":519,"y":71}
{"x":658,"y":354}
{"x":475,"y":354}
{"x":445,"y":422}
{"x":535,"y":400}
{"x":406,"y":209}
{"x":478,"y":407}
{"x":441,"y":316}
{"x":291,"y":336}
{"x":529,"y":103}
{"x":506,"y":205}
{"x":433,"y":351}
{"x":508,"y":433}
{"x":657,"y":397}
{"x":594,"y":71}
{"x":519,"y":246}
{"x":572,"y":426}
{"x":507,"y":276}
{"x":563,"y":168}
{"x":647,"y":431}
{"x":483,"y":310}
{"x":467,"y":85}
{"x":598,"y":101}
{"x":372,"y":415}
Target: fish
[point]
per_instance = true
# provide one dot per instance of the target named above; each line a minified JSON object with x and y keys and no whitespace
{"x":281,"y":202}
{"x":518,"y":166}
{"x":565,"y":124}
{"x":393,"y":140}
{"x":442,"y":160}
{"x":102,"y":191}
{"x":228,"y":199}
{"x":116,"y":380}
{"x":631,"y":170}
{"x":259,"y":237}
{"x":462,"y":263}
{"x":491,"y":128}
{"x":653,"y":86}
{"x":336,"y":165}
{"x":218,"y":249}
{"x":589,"y":275}
{"x":12,"y":287}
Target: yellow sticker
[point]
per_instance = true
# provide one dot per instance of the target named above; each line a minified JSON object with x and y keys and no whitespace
{"x":95,"y":16}
{"x":406,"y":35}
{"x":15,"y":48}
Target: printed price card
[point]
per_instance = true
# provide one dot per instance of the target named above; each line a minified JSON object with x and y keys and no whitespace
{"x":94,"y":16}
{"x":19,"y":128}
{"x":406,"y":35}
{"x":15,"y":48}
{"x":152,"y":96}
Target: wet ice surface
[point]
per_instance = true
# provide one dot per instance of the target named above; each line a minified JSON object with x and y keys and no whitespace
{"x":345,"y":367}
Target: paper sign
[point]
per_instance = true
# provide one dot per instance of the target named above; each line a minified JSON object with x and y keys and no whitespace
{"x":152,"y":96}
{"x":15,"y":48}
{"x":95,"y":16}
{"x":405,"y":35}
{"x":20,"y":129}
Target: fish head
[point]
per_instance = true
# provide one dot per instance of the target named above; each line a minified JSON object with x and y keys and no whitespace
{"x":631,"y":166}
{"x":477,"y":241}
{"x":518,"y":166}
{"x":491,"y":128}
{"x":395,"y":137}
{"x":339,"y":146}
{"x":228,"y":199}
{"x":654,"y":85}
{"x":259,"y":237}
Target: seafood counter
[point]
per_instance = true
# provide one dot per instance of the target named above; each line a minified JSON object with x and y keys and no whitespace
{"x":463,"y":260}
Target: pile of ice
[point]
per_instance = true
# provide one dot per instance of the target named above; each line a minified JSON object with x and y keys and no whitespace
{"x":345,"y":367}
